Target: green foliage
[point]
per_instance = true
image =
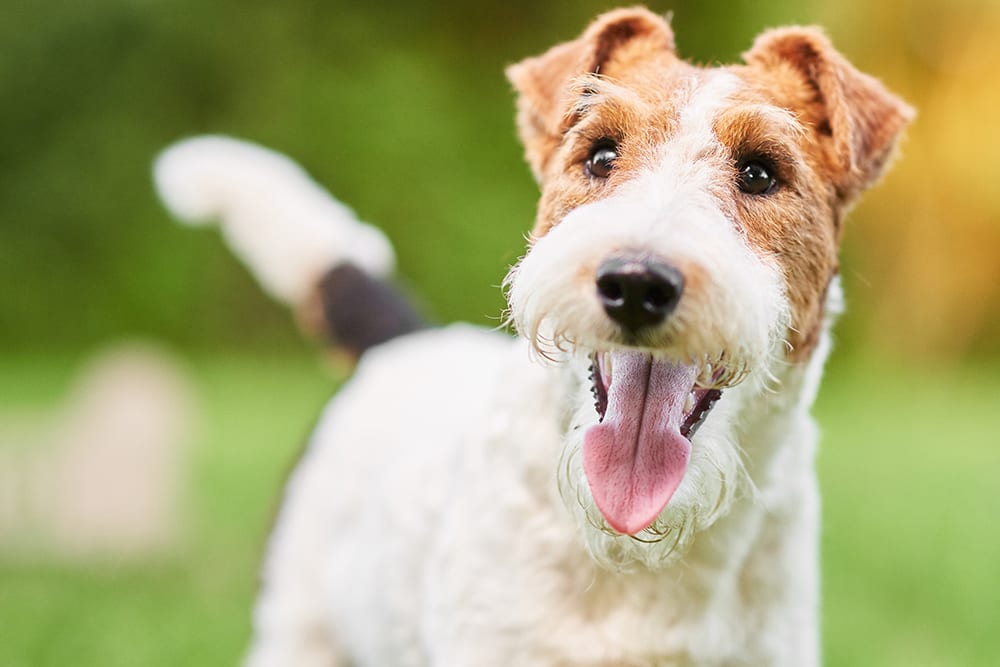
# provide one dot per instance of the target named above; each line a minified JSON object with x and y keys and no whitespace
{"x":401,"y":109}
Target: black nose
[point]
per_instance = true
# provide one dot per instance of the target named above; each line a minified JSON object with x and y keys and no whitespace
{"x":638,"y":292}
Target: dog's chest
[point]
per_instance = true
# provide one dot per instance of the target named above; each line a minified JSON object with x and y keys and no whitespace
{"x":541,"y":599}
{"x":676,"y":617}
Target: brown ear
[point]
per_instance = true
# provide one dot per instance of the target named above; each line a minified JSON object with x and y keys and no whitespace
{"x":857,"y":116}
{"x":543,"y":82}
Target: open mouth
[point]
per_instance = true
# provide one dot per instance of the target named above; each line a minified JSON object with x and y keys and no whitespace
{"x":649,"y":409}
{"x":698,"y":403}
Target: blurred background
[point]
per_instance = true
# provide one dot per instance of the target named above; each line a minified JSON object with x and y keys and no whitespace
{"x":118,"y":553}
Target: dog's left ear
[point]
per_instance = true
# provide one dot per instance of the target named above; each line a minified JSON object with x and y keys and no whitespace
{"x":544,"y":83}
{"x":858,"y":119}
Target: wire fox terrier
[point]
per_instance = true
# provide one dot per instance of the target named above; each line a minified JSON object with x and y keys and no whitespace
{"x":630,"y":482}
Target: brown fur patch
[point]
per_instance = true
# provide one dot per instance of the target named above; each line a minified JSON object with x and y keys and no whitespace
{"x":615,"y":39}
{"x":634,"y":109}
{"x":794,"y":224}
{"x":852,"y":123}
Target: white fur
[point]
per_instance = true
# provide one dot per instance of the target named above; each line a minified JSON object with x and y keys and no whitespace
{"x":438,"y":537}
{"x":428,"y":525}
{"x":284,"y":226}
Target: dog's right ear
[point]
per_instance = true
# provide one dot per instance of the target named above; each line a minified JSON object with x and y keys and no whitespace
{"x":543,"y":83}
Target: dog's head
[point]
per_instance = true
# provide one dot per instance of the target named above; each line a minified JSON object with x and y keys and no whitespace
{"x":685,"y":244}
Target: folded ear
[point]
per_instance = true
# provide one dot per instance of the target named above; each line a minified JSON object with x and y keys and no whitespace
{"x":543,"y":82}
{"x":859,"y":119}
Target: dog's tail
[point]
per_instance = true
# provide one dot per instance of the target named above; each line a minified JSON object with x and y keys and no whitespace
{"x":305,"y":248}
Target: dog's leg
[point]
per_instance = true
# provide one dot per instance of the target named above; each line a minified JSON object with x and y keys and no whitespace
{"x":274,"y":653}
{"x":292,"y":613}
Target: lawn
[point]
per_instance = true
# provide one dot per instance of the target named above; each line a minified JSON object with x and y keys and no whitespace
{"x":911,"y":547}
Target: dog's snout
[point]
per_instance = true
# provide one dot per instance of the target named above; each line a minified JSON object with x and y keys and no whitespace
{"x":638,"y":292}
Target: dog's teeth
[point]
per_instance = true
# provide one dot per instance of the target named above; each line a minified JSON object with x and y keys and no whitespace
{"x":689,"y":403}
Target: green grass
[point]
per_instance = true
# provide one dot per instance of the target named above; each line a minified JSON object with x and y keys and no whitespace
{"x":911,"y":549}
{"x":910,"y":544}
{"x":190,"y":608}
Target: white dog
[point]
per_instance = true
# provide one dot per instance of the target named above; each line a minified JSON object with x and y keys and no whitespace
{"x":631,"y":482}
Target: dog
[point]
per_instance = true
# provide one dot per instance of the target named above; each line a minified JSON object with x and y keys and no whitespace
{"x":631,"y":480}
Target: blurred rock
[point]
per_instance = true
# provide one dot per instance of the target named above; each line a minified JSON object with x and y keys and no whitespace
{"x":103,"y":476}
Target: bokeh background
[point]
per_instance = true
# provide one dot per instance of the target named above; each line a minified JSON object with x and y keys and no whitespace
{"x":401,"y":109}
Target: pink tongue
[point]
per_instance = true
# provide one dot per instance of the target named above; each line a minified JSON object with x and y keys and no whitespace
{"x":635,"y":459}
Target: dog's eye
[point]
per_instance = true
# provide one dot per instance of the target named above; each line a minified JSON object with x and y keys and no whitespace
{"x":756,"y":178}
{"x":602,"y":159}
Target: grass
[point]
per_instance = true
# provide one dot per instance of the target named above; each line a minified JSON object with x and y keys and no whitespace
{"x":910,"y":547}
{"x":910,"y":541}
{"x":190,"y":608}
